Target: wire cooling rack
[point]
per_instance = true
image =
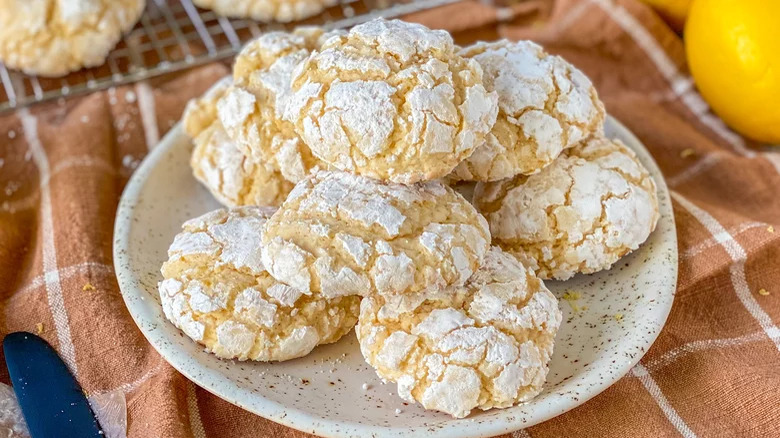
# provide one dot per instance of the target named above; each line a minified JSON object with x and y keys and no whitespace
{"x":173,"y":35}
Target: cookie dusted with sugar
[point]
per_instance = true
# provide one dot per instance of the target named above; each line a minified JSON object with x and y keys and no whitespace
{"x":217,"y":162}
{"x":545,"y":106}
{"x":230,"y":176}
{"x":267,"y":10}
{"x":339,"y":233}
{"x":259,"y":55}
{"x":201,"y":112}
{"x":251,"y":110}
{"x":55,"y":37}
{"x":483,"y":345}
{"x":593,"y":205}
{"x":217,"y":291}
{"x":391,"y":100}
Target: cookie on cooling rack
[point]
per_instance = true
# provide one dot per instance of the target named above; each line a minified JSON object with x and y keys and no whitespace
{"x":339,"y":233}
{"x":267,"y":10}
{"x":391,"y":100}
{"x":483,"y":345}
{"x":216,"y":290}
{"x":251,"y":110}
{"x":53,"y":38}
{"x":591,"y":206}
{"x":545,"y":105}
{"x":217,"y":162}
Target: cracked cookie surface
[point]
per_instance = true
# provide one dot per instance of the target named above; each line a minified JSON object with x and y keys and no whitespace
{"x":251,"y":110}
{"x":339,"y":233}
{"x":591,"y":206}
{"x":231,"y":176}
{"x":482,"y":345}
{"x":217,"y":291}
{"x":267,"y":10}
{"x":54,"y":37}
{"x":391,"y":100}
{"x":545,"y":105}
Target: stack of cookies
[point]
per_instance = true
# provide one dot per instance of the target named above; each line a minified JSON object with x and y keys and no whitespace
{"x":356,"y":137}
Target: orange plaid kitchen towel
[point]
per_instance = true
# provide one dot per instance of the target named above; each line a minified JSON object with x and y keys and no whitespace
{"x":712,"y":372}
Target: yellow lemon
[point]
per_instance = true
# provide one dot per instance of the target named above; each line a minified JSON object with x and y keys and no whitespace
{"x":733,"y":49}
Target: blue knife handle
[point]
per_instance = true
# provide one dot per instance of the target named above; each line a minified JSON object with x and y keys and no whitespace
{"x":51,"y":399}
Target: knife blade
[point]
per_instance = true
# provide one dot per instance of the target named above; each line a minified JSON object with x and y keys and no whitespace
{"x":52,"y":401}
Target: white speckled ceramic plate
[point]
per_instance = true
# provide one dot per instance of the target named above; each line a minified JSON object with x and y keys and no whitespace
{"x":322,"y":393}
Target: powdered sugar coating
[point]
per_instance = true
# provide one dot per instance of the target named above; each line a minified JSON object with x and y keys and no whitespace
{"x":251,"y":110}
{"x":483,"y":345}
{"x":219,"y":164}
{"x":341,"y":233}
{"x":391,"y":100}
{"x":545,"y":105}
{"x":593,"y":205}
{"x":54,"y":37}
{"x":267,"y":10}
{"x":201,"y":112}
{"x":217,"y":291}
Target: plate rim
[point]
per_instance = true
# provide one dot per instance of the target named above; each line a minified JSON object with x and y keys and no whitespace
{"x":301,"y":420}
